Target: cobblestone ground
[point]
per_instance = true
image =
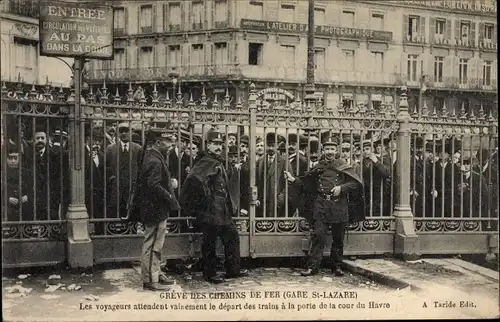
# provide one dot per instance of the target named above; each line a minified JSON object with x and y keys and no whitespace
{"x":62,"y":299}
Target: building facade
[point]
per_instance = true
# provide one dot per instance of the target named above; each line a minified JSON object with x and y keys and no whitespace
{"x":20,"y":47}
{"x":364,"y":50}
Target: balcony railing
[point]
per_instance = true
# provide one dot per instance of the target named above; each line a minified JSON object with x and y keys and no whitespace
{"x":276,"y":73}
{"x":25,"y":8}
{"x":452,"y":82}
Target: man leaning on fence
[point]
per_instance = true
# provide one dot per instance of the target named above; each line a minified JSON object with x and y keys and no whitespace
{"x":210,"y":194}
{"x":157,"y":201}
{"x":335,"y":192}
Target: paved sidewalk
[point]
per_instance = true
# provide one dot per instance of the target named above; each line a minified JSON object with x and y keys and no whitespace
{"x":117,"y":295}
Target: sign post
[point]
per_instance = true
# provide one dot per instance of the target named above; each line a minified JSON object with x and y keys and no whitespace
{"x":79,"y":30}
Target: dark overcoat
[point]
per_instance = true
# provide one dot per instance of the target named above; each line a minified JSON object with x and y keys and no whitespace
{"x":304,"y":191}
{"x":156,"y":194}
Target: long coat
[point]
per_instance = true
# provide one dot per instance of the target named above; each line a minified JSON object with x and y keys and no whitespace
{"x":274,"y":189}
{"x":471,"y":196}
{"x":156,"y":193}
{"x":197,"y":197}
{"x":302,"y":161}
{"x":94,"y":185}
{"x":377,"y":188}
{"x":17,"y":189}
{"x":305,"y":191}
{"x":123,"y":168}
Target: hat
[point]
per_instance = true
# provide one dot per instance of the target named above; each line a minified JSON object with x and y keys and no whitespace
{"x":259,"y":139}
{"x":314,"y":146}
{"x":232,"y":134}
{"x":214,"y":136}
{"x":97,"y":133}
{"x":244,"y":139}
{"x":232,"y":150}
{"x":366,"y":143}
{"x":271,"y":138}
{"x":197,"y":140}
{"x":330,"y":141}
{"x":292,"y":138}
{"x":136,"y":137}
{"x":431,"y":147}
{"x":419,"y":142}
{"x":58,"y":132}
{"x":303,"y":141}
{"x":123,"y":125}
{"x":184,"y":135}
{"x":452,"y":147}
{"x":157,"y":133}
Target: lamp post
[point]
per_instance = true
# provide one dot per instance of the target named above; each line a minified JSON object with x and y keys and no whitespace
{"x":310,"y":88}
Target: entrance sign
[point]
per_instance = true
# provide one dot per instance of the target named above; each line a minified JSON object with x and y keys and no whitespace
{"x":75,"y":28}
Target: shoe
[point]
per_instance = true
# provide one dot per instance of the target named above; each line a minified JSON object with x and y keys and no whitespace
{"x":214,"y":279}
{"x":165,"y":280}
{"x":155,"y":287}
{"x":242,"y":273}
{"x":338,"y":271}
{"x":309,"y":272}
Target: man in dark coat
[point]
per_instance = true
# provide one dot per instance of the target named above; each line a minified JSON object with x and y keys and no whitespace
{"x":157,"y":201}
{"x":296,"y":156}
{"x":94,"y":176}
{"x":333,"y":192}
{"x":17,"y":192}
{"x":210,"y":194}
{"x":489,"y":171}
{"x":270,"y":180}
{"x":121,"y":169}
{"x":469,"y":188}
{"x":417,"y":165}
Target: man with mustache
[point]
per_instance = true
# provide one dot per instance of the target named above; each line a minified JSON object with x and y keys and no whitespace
{"x":211,"y":195}
{"x":157,"y":201}
{"x":333,"y":197}
{"x":259,"y":148}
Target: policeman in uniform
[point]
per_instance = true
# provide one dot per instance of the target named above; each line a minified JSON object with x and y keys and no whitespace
{"x":332,"y":184}
{"x":211,"y":195}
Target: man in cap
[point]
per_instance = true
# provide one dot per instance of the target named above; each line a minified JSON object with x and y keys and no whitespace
{"x":471,"y":192}
{"x":270,"y":179}
{"x":259,"y":147}
{"x":157,"y":201}
{"x":332,"y":194}
{"x":417,"y":165}
{"x":244,"y":141}
{"x":314,"y":152}
{"x":375,"y":173}
{"x":122,"y":160}
{"x":211,"y":195}
{"x":94,"y":175}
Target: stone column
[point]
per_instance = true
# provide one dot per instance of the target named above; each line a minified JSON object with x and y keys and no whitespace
{"x":79,"y":248}
{"x":406,"y":244}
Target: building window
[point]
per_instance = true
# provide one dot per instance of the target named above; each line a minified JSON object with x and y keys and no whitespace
{"x":119,"y":61}
{"x":487,"y":73}
{"x":221,"y":13}
{"x":348,"y":60}
{"x":119,"y":20}
{"x":174,"y":56}
{"x":319,"y":59}
{"x":146,"y":18}
{"x":319,"y":16}
{"x":197,"y":55}
{"x":254,"y":54}
{"x":464,"y":30}
{"x":26,"y":58}
{"x":462,"y":71}
{"x":412,"y":68}
{"x":413,"y":26}
{"x":287,"y":13}
{"x":173,"y":17}
{"x":347,"y":19}
{"x":197,"y":15}
{"x":221,"y":54}
{"x":488,"y":32}
{"x":440,"y":26}
{"x":146,"y":57}
{"x":256,"y":10}
{"x":287,"y":55}
{"x":438,"y":69}
{"x":377,"y":21}
{"x":378,"y":62}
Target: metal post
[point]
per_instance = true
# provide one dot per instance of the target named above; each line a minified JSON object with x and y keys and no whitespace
{"x":310,"y":88}
{"x":406,"y":241}
{"x":80,"y":249}
{"x":252,"y":159}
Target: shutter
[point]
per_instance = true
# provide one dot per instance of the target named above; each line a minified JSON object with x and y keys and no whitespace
{"x":472,"y":33}
{"x":481,"y":32}
{"x":406,"y":23}
{"x":126,"y":20}
{"x":432,"y":29}
{"x":422,"y":27}
{"x":212,"y":54}
{"x":137,"y":56}
{"x":180,"y":63}
{"x":457,"y":30}
{"x":494,"y":40}
{"x":165,"y":17}
{"x":472,"y":69}
{"x":448,"y":29}
{"x":153,"y":18}
{"x":183,"y":14}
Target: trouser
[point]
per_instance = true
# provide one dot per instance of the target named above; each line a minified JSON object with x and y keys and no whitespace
{"x":319,"y":236}
{"x":231,"y":242}
{"x":154,"y":237}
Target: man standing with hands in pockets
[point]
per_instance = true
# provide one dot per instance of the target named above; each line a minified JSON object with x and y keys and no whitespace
{"x":333,"y":192}
{"x":157,"y":201}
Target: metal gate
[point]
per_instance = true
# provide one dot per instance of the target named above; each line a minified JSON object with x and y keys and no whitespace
{"x":405,"y":143}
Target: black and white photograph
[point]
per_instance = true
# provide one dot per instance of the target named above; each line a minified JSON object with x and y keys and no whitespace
{"x":280,"y":160}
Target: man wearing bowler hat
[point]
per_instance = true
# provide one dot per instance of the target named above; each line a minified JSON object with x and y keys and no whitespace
{"x":157,"y":198}
{"x":122,"y":160}
{"x":211,"y":195}
{"x":332,"y":193}
{"x":270,"y":179}
{"x":296,"y":156}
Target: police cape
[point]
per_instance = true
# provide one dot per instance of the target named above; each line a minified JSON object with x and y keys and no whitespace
{"x":303,"y":192}
{"x":197,"y":193}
